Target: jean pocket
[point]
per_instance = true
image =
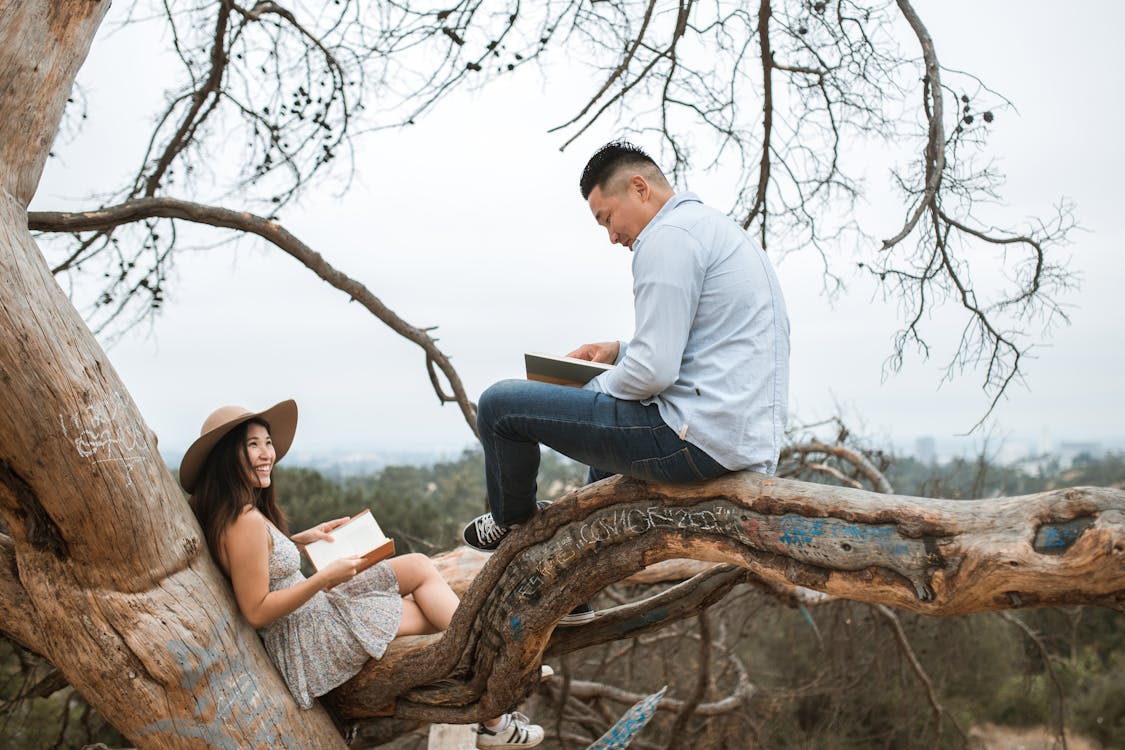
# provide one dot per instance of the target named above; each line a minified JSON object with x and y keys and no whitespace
{"x":676,"y":467}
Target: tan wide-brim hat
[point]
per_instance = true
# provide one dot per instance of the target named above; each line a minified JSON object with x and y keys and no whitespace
{"x":282,"y":419}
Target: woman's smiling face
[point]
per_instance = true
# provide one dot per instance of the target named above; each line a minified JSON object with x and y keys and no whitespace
{"x":260,"y":454}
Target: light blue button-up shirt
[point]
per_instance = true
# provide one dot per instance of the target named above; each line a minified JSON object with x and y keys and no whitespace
{"x":711,"y":343}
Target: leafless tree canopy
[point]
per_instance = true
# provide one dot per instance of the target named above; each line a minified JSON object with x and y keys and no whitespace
{"x":792,"y":99}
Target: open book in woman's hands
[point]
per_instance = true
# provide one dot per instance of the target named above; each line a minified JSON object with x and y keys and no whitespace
{"x":359,"y":536}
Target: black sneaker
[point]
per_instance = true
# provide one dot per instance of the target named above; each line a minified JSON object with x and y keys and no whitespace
{"x":583,"y":613}
{"x":483,"y":533}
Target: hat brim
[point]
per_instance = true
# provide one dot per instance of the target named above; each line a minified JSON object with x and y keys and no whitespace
{"x":282,"y":419}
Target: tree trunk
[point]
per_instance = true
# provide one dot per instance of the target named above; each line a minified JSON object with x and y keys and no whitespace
{"x":111,"y":582}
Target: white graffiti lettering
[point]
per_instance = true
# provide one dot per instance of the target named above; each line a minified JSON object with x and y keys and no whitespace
{"x":103,"y":433}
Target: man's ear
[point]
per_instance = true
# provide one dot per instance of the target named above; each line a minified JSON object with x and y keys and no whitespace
{"x":639,"y":185}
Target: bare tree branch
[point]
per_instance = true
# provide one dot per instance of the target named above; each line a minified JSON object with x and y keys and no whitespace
{"x":1060,"y":727}
{"x":919,"y":671}
{"x":934,"y":154}
{"x":288,"y":86}
{"x":757,"y":208}
{"x":171,"y":208}
{"x":737,"y":700}
{"x":860,"y":465}
{"x":703,"y":679}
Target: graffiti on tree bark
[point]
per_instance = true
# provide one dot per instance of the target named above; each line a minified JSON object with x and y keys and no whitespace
{"x":829,"y":543}
{"x":226,"y":693}
{"x":103,"y":432}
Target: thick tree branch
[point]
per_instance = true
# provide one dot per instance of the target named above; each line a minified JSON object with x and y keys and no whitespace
{"x":937,"y":557}
{"x":29,"y":124}
{"x":653,"y":613}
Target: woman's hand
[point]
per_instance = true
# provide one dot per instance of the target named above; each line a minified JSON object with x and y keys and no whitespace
{"x":318,"y":532}
{"x":340,"y":570}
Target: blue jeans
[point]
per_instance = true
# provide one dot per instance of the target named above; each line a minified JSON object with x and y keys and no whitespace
{"x":609,"y":435}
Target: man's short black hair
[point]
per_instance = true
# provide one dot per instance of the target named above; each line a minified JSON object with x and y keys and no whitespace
{"x":607,"y":160}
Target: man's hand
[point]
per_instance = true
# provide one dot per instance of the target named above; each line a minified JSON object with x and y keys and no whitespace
{"x":605,"y":352}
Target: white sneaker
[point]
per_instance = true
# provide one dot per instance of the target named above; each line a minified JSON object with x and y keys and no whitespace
{"x":581,"y":614}
{"x":519,"y":732}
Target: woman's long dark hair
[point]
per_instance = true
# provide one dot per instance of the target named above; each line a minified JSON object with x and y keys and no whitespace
{"x":224,"y":488}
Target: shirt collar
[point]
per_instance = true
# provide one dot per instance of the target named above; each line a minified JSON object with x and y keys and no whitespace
{"x":676,"y":200}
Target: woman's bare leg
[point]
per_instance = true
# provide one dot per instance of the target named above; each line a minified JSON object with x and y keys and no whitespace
{"x":434,"y":600}
{"x":413,"y":621}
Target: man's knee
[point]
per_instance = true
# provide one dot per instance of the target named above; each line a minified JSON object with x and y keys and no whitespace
{"x":498,"y":400}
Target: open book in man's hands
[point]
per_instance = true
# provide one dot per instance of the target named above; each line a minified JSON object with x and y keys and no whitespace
{"x":359,"y":536}
{"x":562,"y":370}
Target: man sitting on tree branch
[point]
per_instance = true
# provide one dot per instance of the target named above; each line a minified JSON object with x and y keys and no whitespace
{"x":699,"y":391}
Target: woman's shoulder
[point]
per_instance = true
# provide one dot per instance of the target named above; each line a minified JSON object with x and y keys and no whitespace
{"x":249,"y":521}
{"x":247,"y":531}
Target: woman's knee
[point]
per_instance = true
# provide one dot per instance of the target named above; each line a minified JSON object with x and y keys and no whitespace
{"x":414,"y":569}
{"x":420,"y":562}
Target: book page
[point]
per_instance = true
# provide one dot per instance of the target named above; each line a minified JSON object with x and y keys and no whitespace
{"x":357,"y":537}
{"x":362,"y":534}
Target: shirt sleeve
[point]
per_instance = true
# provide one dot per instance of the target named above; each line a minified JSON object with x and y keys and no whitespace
{"x":667,"y":279}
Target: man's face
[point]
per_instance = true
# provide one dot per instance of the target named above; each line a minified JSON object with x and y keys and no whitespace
{"x":624,"y":209}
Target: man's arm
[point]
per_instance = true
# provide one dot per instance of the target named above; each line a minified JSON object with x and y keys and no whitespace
{"x":667,"y":281}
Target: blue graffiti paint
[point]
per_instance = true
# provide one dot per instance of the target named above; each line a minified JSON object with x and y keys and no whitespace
{"x":1057,"y":538}
{"x":1053,"y":537}
{"x":630,"y":724}
{"x":226,"y":694}
{"x":826,"y":542}
{"x":800,"y":531}
{"x":517,"y":627}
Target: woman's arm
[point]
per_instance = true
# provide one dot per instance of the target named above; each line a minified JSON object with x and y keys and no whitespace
{"x":247,"y":547}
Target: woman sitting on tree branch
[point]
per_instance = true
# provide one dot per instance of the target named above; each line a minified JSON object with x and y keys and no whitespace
{"x":319,"y":631}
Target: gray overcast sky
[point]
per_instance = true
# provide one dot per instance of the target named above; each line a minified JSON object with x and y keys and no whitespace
{"x":472,"y":221}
